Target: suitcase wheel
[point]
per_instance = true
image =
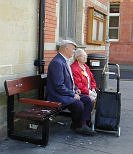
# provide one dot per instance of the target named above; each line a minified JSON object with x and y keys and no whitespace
{"x":118,"y":133}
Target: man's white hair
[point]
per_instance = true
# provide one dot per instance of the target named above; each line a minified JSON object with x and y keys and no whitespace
{"x":79,"y":52}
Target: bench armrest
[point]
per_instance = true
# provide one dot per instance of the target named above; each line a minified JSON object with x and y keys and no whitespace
{"x":40,"y":102}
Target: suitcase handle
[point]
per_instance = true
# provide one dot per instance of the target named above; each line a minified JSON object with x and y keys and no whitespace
{"x":113,"y":73}
{"x":118,"y":69}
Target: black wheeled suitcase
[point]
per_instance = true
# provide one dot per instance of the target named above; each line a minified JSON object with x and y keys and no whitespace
{"x":108,"y":107}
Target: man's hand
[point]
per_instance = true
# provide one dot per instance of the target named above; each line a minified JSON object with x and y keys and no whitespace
{"x":77,"y":97}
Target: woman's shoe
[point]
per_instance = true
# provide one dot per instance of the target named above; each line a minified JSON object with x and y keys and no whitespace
{"x":85,"y":130}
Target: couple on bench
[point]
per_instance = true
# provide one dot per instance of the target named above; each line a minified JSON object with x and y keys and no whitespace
{"x":72,"y":85}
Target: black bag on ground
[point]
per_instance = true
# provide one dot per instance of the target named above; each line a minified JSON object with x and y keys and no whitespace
{"x":108,"y":110}
{"x":108,"y":107}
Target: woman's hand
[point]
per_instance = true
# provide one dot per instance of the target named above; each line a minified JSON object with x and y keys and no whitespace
{"x":92,"y":95}
{"x":77,"y":97}
{"x":78,"y":91}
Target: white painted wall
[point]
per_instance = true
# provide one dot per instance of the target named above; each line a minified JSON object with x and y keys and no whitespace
{"x":18,"y":44}
{"x":18,"y":37}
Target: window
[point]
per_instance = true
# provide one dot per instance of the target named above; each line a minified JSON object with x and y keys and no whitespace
{"x":96,"y":27}
{"x":67,"y":19}
{"x":114,"y":17}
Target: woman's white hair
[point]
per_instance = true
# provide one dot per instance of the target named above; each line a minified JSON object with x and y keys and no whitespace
{"x":79,"y":52}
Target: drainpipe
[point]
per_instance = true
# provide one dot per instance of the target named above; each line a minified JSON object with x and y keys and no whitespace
{"x":39,"y":63}
{"x":107,"y":46}
{"x":107,"y":34}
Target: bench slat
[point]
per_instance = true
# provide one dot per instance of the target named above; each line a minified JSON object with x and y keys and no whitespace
{"x":40,"y":102}
{"x":22,"y":85}
{"x":36,"y":114}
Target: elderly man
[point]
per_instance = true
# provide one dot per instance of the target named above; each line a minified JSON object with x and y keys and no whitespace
{"x":61,"y":88}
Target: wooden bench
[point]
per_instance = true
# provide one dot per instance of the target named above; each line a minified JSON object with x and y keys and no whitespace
{"x":39,"y":111}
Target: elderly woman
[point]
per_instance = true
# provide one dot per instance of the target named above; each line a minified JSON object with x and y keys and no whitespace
{"x":82,"y":75}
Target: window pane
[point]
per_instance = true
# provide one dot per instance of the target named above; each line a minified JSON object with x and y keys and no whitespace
{"x":114,"y":8}
{"x":71,"y":19}
{"x":100,"y":37}
{"x":62,"y":19}
{"x":94,"y":33}
{"x":113,"y":33}
{"x":114,"y":21}
{"x":67,"y":19}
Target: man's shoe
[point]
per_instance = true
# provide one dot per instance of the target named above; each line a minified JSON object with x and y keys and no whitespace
{"x":85,"y":130}
{"x":89,"y":124}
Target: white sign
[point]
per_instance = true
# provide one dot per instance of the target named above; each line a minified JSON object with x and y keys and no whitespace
{"x":95,"y":63}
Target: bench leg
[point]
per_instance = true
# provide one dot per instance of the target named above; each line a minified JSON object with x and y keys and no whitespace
{"x":45,"y":132}
{"x":10,"y":116}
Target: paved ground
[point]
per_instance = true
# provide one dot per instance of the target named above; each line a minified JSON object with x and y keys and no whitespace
{"x":64,"y":141}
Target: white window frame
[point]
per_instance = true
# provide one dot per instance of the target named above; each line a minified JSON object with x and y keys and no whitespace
{"x":115,"y":15}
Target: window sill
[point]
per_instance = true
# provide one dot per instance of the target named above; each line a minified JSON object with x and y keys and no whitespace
{"x":113,"y":40}
{"x":96,"y":43}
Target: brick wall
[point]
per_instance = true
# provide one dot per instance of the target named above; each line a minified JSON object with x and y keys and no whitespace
{"x":49,"y":30}
{"x":48,"y":56}
{"x":51,"y":25}
{"x":122,"y":51}
{"x":50,"y":20}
